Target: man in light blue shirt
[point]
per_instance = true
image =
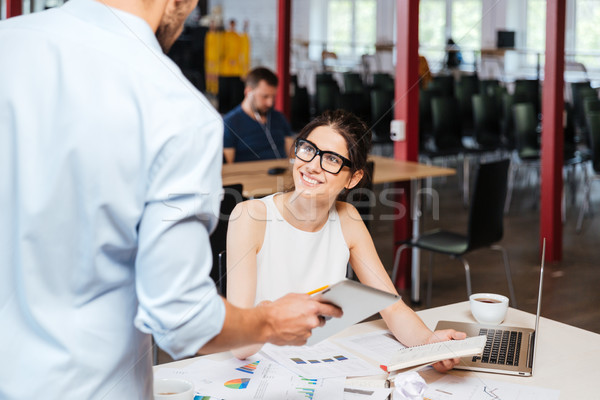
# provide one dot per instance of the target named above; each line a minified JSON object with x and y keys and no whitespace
{"x":110,"y":168}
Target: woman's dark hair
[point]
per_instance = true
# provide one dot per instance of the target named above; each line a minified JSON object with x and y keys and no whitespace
{"x":354,"y":131}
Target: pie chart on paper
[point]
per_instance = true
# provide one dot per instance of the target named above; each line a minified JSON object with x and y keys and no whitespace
{"x":241,"y":383}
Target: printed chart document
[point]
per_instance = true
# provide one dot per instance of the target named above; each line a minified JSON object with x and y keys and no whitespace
{"x":324,"y":360}
{"x":429,"y":353}
{"x":255,"y":378}
{"x":452,"y":387}
{"x":360,"y":393}
{"x":380,"y":345}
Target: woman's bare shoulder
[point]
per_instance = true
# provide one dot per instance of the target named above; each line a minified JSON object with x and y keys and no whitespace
{"x":250,"y":210}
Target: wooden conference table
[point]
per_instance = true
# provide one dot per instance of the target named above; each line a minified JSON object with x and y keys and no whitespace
{"x":566,"y":358}
{"x":256,"y":181}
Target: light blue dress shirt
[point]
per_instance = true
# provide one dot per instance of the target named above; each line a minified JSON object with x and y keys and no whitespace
{"x":110,"y":166}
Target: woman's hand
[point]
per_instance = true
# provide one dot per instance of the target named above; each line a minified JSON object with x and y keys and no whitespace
{"x":442,"y":336}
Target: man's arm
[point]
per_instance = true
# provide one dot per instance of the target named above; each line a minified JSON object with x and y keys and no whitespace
{"x":229,"y":154}
{"x":286,"y":321}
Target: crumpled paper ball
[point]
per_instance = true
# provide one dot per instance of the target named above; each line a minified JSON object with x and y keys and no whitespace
{"x":409,"y":386}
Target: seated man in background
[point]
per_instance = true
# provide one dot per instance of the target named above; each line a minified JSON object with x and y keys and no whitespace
{"x":254,"y":130}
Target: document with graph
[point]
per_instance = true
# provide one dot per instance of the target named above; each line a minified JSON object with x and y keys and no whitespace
{"x":323,"y":360}
{"x":452,"y":387}
{"x":252,"y":379}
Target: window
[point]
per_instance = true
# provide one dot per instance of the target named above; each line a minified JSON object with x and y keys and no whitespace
{"x":587,"y":33}
{"x":535,"y":32}
{"x":351,"y":27}
{"x":466,"y":27}
{"x":443,"y":19}
{"x":432,"y":26}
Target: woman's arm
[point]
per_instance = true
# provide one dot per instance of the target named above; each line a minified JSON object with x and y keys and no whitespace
{"x":245,"y":236}
{"x":404,"y":323}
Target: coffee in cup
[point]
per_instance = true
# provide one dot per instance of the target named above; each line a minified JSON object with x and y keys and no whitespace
{"x":173,"y":389}
{"x":488,"y":308}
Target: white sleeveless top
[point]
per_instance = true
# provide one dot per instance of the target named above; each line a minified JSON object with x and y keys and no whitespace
{"x":293,"y":260}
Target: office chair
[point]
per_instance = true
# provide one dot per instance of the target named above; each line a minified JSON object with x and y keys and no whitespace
{"x":232,"y":195}
{"x":485,"y":227}
{"x":527,"y":153}
{"x":486,"y":122}
{"x":222,"y":271}
{"x":593,"y":120}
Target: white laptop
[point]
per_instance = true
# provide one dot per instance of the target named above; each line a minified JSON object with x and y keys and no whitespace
{"x":508,"y":349}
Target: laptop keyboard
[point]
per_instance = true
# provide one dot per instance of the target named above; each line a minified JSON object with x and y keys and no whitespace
{"x":502,"y":347}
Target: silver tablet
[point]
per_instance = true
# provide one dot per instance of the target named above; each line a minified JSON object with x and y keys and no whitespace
{"x":356,"y":300}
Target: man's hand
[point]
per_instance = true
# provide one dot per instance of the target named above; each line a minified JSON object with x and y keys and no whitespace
{"x":292,"y":318}
{"x":442,"y":336}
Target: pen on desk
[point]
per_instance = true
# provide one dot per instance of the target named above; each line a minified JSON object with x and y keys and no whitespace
{"x":317,"y":290}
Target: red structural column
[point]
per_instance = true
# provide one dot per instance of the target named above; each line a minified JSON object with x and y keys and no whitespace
{"x":283,"y":56}
{"x":14,"y":8}
{"x":552,"y":130}
{"x":407,"y":110}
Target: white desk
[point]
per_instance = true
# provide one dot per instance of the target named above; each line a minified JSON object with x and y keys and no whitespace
{"x":566,"y":359}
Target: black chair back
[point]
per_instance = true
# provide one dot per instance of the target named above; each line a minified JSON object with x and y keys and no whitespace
{"x":300,"y":108}
{"x":593,"y":121}
{"x":444,"y":83}
{"x":488,"y":86}
{"x":447,"y":129}
{"x":352,"y":83}
{"x":383,"y":81}
{"x":425,"y":123}
{"x":232,"y":195}
{"x":526,"y":128}
{"x":486,"y":120}
{"x":328,"y":96}
{"x":464,"y":89}
{"x":486,"y":214}
{"x":528,"y":91}
{"x":382,"y":113}
{"x":362,"y":196}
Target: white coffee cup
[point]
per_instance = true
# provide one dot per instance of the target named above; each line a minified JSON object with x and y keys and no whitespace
{"x":173,"y":389}
{"x":489,"y":308}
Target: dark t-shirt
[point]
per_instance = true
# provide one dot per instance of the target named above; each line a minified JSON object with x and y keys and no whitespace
{"x":251,"y":139}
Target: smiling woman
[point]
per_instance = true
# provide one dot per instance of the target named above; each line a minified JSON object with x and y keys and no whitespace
{"x":304,"y":239}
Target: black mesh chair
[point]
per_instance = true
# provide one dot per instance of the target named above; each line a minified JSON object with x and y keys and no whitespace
{"x":383,"y":81}
{"x":443,"y":83}
{"x":593,"y":120}
{"x":232,"y":195}
{"x":464,"y":89}
{"x":328,"y":96}
{"x":527,"y":155}
{"x":382,"y":113}
{"x":486,"y":121}
{"x":485,"y":227}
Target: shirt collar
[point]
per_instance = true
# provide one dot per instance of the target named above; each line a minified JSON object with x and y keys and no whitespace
{"x":112,"y":19}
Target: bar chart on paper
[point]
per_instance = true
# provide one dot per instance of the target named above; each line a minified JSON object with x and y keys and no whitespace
{"x":323,"y":360}
{"x":307,"y":392}
{"x":249,"y":368}
{"x":469,"y":388}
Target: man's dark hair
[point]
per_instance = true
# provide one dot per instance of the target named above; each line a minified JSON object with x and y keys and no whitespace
{"x":261,"y":74}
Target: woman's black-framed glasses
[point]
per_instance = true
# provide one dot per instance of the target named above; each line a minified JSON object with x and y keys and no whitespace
{"x":330,"y":161}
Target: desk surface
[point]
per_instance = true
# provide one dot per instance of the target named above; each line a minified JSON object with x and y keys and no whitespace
{"x":257,"y":182}
{"x":566,"y":359}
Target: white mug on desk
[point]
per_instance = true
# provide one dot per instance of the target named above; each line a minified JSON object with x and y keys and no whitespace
{"x":488,"y":308}
{"x":173,"y":389}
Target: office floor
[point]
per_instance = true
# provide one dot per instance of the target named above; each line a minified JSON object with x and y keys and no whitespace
{"x":571,"y":287}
